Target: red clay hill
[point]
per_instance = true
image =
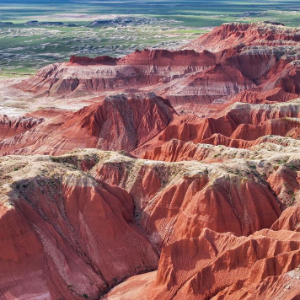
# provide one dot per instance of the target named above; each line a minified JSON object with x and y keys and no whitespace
{"x":260,"y":58}
{"x":160,"y":175}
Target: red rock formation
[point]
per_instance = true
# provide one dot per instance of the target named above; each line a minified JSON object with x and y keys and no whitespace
{"x":194,"y":206}
{"x":289,"y":220}
{"x":177,"y":201}
{"x":78,"y":222}
{"x":276,"y":95}
{"x":64,"y":235}
{"x":228,"y":263}
{"x":176,"y":150}
{"x":240,"y":126}
{"x":13,"y":126}
{"x":103,"y":60}
{"x":253,"y":34}
{"x":136,"y":70}
{"x":120,"y":122}
{"x":258,"y":58}
{"x":222,"y":266}
{"x":282,"y":127}
{"x":141,"y":123}
{"x":224,"y":221}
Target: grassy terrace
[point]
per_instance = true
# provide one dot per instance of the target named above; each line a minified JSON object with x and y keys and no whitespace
{"x":25,"y":48}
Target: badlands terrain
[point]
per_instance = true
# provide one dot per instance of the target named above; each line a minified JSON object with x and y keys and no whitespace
{"x":162,"y":174}
{"x":36,"y":33}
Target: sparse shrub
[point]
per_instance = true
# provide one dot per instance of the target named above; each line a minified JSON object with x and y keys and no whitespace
{"x":293,"y":167}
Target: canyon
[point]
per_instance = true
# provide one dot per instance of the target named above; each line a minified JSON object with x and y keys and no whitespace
{"x":164,"y":174}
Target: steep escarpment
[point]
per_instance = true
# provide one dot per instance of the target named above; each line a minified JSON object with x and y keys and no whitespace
{"x":224,"y":268}
{"x":139,"y":69}
{"x":63,"y":232}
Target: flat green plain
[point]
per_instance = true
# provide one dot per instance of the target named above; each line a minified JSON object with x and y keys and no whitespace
{"x":167,"y":24}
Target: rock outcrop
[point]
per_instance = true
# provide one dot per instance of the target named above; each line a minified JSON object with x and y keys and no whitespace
{"x":75,"y":215}
{"x":240,"y":125}
{"x":64,"y":234}
{"x":252,"y":34}
{"x":202,"y":199}
{"x":10,"y":127}
{"x":119,"y":122}
{"x":260,"y":58}
{"x":222,"y":266}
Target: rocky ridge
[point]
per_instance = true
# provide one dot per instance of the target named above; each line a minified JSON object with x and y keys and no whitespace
{"x":159,"y":175}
